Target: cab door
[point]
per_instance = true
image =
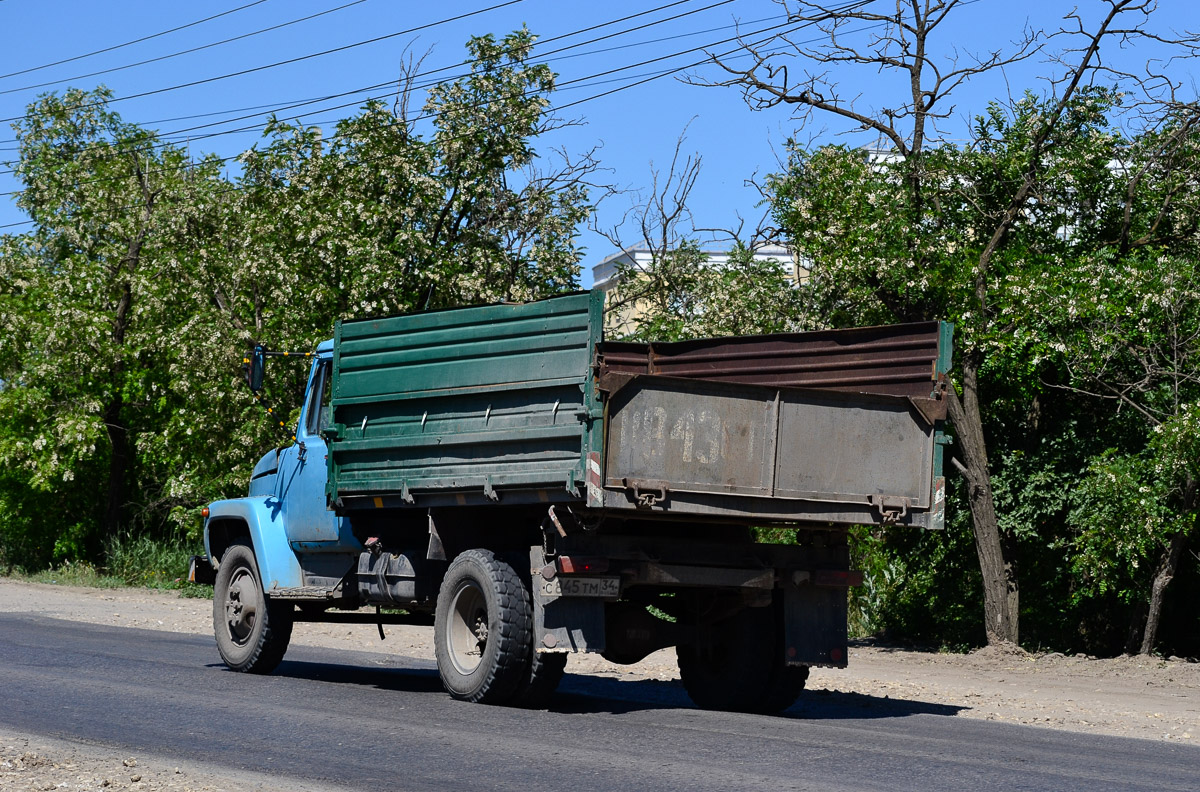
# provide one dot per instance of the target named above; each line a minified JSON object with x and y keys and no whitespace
{"x":303,"y":467}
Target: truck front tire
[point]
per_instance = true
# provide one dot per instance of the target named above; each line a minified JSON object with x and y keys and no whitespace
{"x":252,"y":632}
{"x":482,"y":629}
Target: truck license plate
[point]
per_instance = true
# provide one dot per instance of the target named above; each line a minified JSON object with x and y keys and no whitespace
{"x":603,"y":587}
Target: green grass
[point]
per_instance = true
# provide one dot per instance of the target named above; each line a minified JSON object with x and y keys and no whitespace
{"x":129,"y":562}
{"x":145,"y":562}
{"x":78,"y":573}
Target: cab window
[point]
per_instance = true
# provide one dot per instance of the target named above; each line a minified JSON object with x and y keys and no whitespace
{"x":317,"y":410}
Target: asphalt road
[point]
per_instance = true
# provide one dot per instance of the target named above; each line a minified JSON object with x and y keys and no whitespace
{"x":374,"y":721}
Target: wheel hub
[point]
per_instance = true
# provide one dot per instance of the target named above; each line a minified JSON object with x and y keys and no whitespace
{"x":241,"y":606}
{"x":468,"y":634}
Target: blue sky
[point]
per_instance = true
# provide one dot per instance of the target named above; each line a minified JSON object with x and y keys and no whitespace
{"x":635,"y":126}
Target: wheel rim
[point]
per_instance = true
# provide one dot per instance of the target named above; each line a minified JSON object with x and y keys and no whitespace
{"x":468,"y":632}
{"x":241,"y":606}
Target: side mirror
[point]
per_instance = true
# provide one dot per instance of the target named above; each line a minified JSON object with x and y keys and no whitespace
{"x":254,"y":368}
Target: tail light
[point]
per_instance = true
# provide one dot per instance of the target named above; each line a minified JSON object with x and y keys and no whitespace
{"x":581,"y":565}
{"x":840,"y":578}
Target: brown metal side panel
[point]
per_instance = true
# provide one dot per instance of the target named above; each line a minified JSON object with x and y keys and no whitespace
{"x":840,"y":452}
{"x":897,"y":360}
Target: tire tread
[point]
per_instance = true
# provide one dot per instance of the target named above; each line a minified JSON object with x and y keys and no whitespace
{"x":271,"y":642}
{"x":503,"y":678}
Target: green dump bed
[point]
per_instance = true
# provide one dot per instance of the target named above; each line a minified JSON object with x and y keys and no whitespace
{"x":525,"y":403}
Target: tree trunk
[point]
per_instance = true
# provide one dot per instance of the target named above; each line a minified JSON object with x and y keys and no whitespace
{"x":118,"y":432}
{"x":1137,"y":624}
{"x":1167,"y":566}
{"x":1000,"y":592}
{"x":118,"y":465}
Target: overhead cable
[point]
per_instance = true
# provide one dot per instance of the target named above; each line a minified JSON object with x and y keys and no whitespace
{"x":775,"y":32}
{"x":297,"y":59}
{"x":179,"y":134}
{"x":186,"y":51}
{"x":134,"y":41}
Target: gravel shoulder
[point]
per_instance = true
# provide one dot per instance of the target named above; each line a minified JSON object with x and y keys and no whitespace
{"x":1125,"y":696}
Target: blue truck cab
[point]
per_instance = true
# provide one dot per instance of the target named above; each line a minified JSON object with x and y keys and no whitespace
{"x":284,"y":517}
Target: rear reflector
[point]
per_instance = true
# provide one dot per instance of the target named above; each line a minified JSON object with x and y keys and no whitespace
{"x":581,"y":565}
{"x":837,"y":577}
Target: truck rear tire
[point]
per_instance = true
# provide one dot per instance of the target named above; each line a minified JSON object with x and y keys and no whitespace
{"x":546,"y":670}
{"x":787,"y":683}
{"x":482,"y":629}
{"x":252,"y":632}
{"x":737,"y":665}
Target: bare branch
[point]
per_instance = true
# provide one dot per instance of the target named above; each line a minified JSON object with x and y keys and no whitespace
{"x":410,"y":69}
{"x":899,"y":43}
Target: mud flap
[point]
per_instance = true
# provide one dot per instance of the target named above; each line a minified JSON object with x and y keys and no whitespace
{"x":814,"y":626}
{"x":573,"y":624}
{"x":201,"y":571}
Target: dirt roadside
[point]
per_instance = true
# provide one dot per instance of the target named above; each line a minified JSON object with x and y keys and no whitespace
{"x":1127,"y":697}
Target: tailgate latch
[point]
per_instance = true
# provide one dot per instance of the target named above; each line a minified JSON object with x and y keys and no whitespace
{"x":647,"y":493}
{"x":892,"y":508}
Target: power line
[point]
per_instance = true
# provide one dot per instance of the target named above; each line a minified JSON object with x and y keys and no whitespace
{"x":543,"y":59}
{"x":292,"y":104}
{"x":253,"y":127}
{"x":186,"y":51}
{"x":651,"y":77}
{"x":228,"y":159}
{"x":268,"y":106}
{"x":297,"y":59}
{"x":176,"y":135}
{"x":134,"y":41}
{"x":671,"y":38}
{"x":232,"y":188}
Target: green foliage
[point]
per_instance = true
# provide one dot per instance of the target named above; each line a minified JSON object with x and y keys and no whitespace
{"x":883,"y":251}
{"x":681,"y":295}
{"x":1033,"y":486}
{"x":1123,"y":513}
{"x":1127,"y":324}
{"x":126,"y":312}
{"x":776,"y":535}
{"x":137,"y":561}
{"x":1083,"y":329}
{"x":87,"y":311}
{"x":146,"y":562}
{"x":1036,"y":484}
{"x":918,"y":587}
{"x":71,"y":573}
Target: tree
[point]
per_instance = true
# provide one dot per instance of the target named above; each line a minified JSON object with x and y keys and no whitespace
{"x":389,"y":220}
{"x":1129,"y":329}
{"x":390,"y":213}
{"x":128,"y":309}
{"x":679,"y":293}
{"x":87,"y":312}
{"x":907,"y":271}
